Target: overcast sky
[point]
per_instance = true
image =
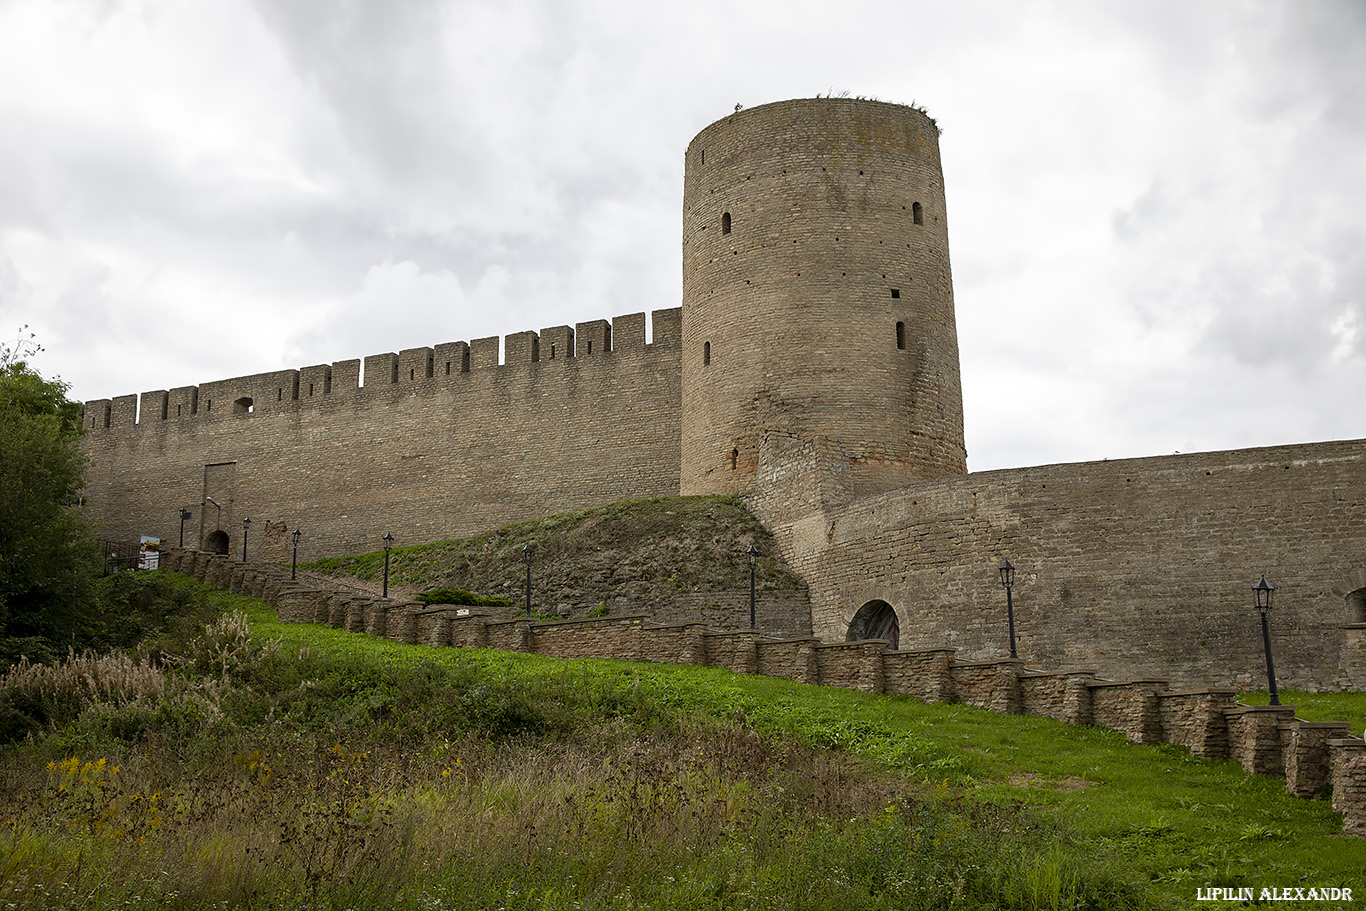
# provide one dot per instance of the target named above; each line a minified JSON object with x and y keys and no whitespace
{"x":1157,"y":210}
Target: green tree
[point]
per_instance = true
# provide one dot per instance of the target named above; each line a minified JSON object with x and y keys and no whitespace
{"x":49,"y":562}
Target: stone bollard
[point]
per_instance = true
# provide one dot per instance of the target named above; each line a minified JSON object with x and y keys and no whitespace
{"x":317,"y":606}
{"x":401,"y":625}
{"x":1198,"y":720}
{"x":1255,"y":737}
{"x":355,"y":615}
{"x":338,"y":607}
{"x":1305,"y":752}
{"x":377,"y":617}
{"x":434,"y":628}
{"x":1347,"y":757}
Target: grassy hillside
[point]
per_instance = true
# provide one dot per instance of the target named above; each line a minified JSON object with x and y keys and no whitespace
{"x":298,"y":766}
{"x":642,"y":552}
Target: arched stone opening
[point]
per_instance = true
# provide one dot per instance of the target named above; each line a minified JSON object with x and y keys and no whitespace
{"x":217,"y":542}
{"x":1356,"y":606}
{"x":875,"y":620}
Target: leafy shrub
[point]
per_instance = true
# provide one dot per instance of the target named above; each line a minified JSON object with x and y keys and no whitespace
{"x":152,"y":609}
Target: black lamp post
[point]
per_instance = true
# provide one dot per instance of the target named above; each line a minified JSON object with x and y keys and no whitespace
{"x":1262,"y":592}
{"x":246,"y":524}
{"x":294,"y":560}
{"x":388,"y":543}
{"x":184,"y":514}
{"x":1008,"y":580}
{"x":527,"y":551}
{"x":752,"y":553}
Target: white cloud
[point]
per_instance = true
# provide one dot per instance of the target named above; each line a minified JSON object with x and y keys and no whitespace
{"x":1152,"y":205}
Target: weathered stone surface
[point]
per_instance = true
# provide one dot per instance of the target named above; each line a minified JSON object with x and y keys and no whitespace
{"x":1347,"y":759}
{"x":377,"y":616}
{"x":795,"y":659}
{"x":598,"y":637}
{"x":1255,"y":737}
{"x":925,"y":674}
{"x":509,"y":635}
{"x":736,"y":651}
{"x":1130,"y":707}
{"x":991,"y":685}
{"x":1197,"y":720}
{"x":681,"y":643}
{"x":1064,"y":695}
{"x":1305,"y":753}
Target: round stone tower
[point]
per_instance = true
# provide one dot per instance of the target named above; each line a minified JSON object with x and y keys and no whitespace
{"x":817,"y":297}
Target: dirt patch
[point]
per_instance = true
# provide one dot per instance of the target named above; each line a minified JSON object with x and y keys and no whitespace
{"x":1031,"y":780}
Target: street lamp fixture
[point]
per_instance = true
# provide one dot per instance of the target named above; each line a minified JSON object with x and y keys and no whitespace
{"x":388,"y":545}
{"x":184,"y":514}
{"x":218,"y":516}
{"x":1262,"y":592}
{"x":1008,"y":580}
{"x":246,"y":524}
{"x":753,"y":554}
{"x":527,"y":550}
{"x":294,"y":560}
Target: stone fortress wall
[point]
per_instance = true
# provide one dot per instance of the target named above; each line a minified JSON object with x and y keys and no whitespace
{"x":1129,"y":566}
{"x":812,"y":367}
{"x":437,"y":443}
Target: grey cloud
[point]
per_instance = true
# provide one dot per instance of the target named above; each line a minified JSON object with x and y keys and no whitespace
{"x":1152,"y":206}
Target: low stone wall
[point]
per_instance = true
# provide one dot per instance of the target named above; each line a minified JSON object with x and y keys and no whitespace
{"x":1064,"y":695}
{"x":794,"y":659}
{"x":1197,"y":720}
{"x":1130,"y":707}
{"x":606,"y":637}
{"x":1266,"y":740}
{"x":734,"y":651}
{"x":926,"y":675}
{"x":991,"y":685}
{"x":681,"y":643}
{"x":852,"y":665}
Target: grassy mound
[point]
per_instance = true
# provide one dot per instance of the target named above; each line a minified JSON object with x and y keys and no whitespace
{"x":642,"y":552}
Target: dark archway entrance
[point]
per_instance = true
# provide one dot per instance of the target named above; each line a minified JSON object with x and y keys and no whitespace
{"x":217,"y":542}
{"x":1356,"y":606}
{"x":875,"y":620}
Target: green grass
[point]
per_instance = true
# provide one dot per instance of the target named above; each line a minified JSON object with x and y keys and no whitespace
{"x":1348,"y":707}
{"x":313,"y":768}
{"x":1177,"y":820}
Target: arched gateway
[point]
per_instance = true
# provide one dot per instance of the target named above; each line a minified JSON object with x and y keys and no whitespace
{"x":217,"y":542}
{"x":875,"y":620}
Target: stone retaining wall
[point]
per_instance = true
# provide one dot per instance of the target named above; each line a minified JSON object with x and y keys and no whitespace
{"x":1265,"y":740}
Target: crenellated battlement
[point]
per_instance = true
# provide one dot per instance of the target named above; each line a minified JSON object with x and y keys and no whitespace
{"x":410,"y":371}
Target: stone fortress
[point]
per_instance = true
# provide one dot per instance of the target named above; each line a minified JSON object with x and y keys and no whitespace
{"x":813,"y":369}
